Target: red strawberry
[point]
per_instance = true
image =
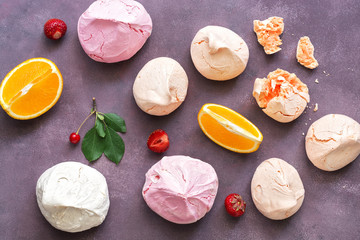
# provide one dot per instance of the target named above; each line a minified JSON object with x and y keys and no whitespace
{"x":235,"y":205}
{"x":158,"y":141}
{"x":55,"y":28}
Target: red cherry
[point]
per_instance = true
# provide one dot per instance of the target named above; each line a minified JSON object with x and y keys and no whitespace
{"x":235,"y":205}
{"x":74,"y":138}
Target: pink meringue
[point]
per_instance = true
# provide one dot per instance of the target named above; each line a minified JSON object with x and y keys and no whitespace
{"x":114,"y":30}
{"x":180,"y":189}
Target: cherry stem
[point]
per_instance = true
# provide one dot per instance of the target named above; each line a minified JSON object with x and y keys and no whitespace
{"x":92,"y":112}
{"x":94,"y":105}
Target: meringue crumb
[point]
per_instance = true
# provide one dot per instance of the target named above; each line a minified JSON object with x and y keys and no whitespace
{"x":316,"y":81}
{"x":309,"y":119}
{"x":305,"y":124}
{"x":292,"y":34}
{"x":316,"y":107}
{"x":303,"y":134}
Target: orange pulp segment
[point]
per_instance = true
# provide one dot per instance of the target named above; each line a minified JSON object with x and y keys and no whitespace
{"x":229,"y":129}
{"x":31,"y":88}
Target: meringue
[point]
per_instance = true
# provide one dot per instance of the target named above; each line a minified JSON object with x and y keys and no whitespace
{"x":73,"y":197}
{"x":333,"y":141}
{"x":281,"y":95}
{"x":268,"y":33}
{"x":113,"y":30}
{"x":305,"y":53}
{"x":219,"y":53}
{"x":277,"y":189}
{"x":180,"y":189}
{"x":160,"y":87}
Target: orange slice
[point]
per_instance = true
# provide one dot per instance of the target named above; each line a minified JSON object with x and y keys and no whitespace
{"x":305,"y":53}
{"x":229,"y":129}
{"x":268,"y":33}
{"x":31,"y":88}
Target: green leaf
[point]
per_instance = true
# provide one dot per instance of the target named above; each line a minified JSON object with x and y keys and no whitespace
{"x":115,"y":122}
{"x":115,"y":147}
{"x":99,"y":128}
{"x":92,"y":145}
{"x":99,"y":116}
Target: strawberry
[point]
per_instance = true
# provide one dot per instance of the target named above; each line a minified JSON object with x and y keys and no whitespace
{"x":235,"y":205}
{"x":158,"y":141}
{"x":55,"y":28}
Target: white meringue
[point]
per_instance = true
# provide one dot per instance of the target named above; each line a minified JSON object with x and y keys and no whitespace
{"x":73,"y":197}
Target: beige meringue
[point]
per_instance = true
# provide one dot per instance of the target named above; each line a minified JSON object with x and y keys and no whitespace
{"x":281,"y":95}
{"x":305,"y":53}
{"x":277,"y":189}
{"x":160,"y":87}
{"x":268,"y":33}
{"x":219,"y":53}
{"x":333,"y":141}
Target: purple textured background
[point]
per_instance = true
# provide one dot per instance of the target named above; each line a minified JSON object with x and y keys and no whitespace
{"x":331,"y":206}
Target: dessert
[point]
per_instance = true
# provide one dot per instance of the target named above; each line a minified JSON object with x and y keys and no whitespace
{"x":72,"y":196}
{"x":333,"y":141}
{"x":31,"y":88}
{"x":277,"y":189}
{"x":160,"y":87}
{"x":268,"y":33}
{"x":305,"y":53}
{"x":235,"y":205}
{"x":282,"y":96}
{"x":158,"y":141}
{"x":55,"y":28}
{"x":113,"y":30}
{"x":229,"y":129}
{"x":219,"y":53}
{"x":180,"y":189}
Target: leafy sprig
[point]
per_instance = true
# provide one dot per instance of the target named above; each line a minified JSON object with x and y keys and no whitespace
{"x":103,"y":137}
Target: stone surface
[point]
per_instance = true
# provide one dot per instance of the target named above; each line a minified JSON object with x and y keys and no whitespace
{"x":331,"y":206}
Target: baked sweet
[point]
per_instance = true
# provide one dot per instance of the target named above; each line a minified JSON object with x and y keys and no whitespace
{"x":268,"y":33}
{"x":73,"y":197}
{"x":333,"y":141}
{"x":160,"y":87}
{"x":180,"y":189}
{"x":114,"y":30}
{"x":305,"y":53}
{"x":277,"y":189}
{"x":282,"y":96}
{"x":219,"y":53}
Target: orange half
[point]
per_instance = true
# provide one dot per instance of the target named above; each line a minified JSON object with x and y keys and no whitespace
{"x":31,"y":88}
{"x":229,"y":129}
